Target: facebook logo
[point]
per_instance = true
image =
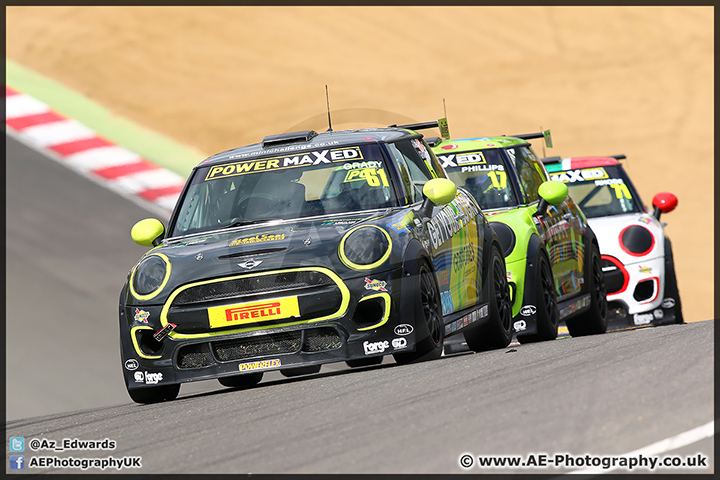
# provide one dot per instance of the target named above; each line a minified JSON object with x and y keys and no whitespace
{"x":17,"y":462}
{"x":17,"y":444}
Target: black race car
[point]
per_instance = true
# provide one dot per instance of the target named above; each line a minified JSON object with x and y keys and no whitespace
{"x":310,"y":248}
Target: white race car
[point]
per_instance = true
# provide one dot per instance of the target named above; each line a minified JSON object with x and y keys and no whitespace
{"x":636,"y":254}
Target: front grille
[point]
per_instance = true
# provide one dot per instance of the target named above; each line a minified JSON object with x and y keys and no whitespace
{"x":318,"y":339}
{"x":321,"y":339}
{"x":196,"y":355}
{"x":257,"y":346}
{"x":251,"y":285}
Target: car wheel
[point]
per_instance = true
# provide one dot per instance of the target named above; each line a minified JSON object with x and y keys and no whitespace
{"x":297,"y":371}
{"x":163,"y":393}
{"x":671,"y":288}
{"x":240,"y":381}
{"x":365,"y":362}
{"x":497,"y":333}
{"x":547,"y":315}
{"x":428,"y":317}
{"x":595,"y":320}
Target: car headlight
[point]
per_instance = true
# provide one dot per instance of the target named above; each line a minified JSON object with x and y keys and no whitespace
{"x":365,"y":247}
{"x":636,"y":240}
{"x":150,"y":276}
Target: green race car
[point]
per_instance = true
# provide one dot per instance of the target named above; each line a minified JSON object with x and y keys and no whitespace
{"x":553,"y":262}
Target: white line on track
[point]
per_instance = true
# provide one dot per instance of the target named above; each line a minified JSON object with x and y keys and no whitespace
{"x":663,"y":446}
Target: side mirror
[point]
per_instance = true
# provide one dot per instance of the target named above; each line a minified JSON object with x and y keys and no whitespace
{"x":551,"y":193}
{"x":148,"y":233}
{"x":664,"y":202}
{"x":438,"y":191}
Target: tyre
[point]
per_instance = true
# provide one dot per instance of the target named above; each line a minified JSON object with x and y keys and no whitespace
{"x":241,"y":381}
{"x":365,"y":362}
{"x":595,"y":320}
{"x":427,"y":315}
{"x":671,"y":288}
{"x":547,"y":315}
{"x":497,"y":333}
{"x":163,"y":393}
{"x":297,"y":371}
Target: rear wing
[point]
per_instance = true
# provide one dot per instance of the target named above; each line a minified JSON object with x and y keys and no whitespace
{"x":440,"y":123}
{"x":558,"y":159}
{"x":529,"y":136}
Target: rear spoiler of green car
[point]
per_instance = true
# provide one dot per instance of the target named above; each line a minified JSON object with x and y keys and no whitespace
{"x":528,"y":136}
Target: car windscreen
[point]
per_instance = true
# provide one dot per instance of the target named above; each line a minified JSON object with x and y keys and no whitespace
{"x":483,"y":174}
{"x":301,"y":184}
{"x":599,"y":191}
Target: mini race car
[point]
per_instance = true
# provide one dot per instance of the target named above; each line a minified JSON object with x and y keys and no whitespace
{"x":551,"y":253}
{"x":309,"y":248}
{"x":636,"y":254}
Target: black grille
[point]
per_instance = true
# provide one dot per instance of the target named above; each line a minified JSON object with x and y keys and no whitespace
{"x":317,"y":339}
{"x":252,"y":285}
{"x":644,"y":290}
{"x":321,"y":339}
{"x":257,"y":346}
{"x":194,"y":356}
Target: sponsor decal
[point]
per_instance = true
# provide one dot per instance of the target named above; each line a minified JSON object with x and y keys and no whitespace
{"x":610,"y":181}
{"x":341,"y":221}
{"x":131,"y":364}
{"x":466,"y":320}
{"x":375,"y":347}
{"x":454,"y":160}
{"x":376,"y":285}
{"x":403,"y":329}
{"x":642,"y":269}
{"x":265,"y":237}
{"x":253,"y":312}
{"x":399,"y":343}
{"x":480,"y":168}
{"x":580,"y":175}
{"x":451,"y":219}
{"x":452,"y":146}
{"x":574,"y":307}
{"x":658,"y":314}
{"x":249,"y":264}
{"x":141,"y":316}
{"x":642,"y":318}
{"x":307,"y":241}
{"x":668,"y":302}
{"x":520,"y":325}
{"x":259,"y":365}
{"x":148,"y":378}
{"x":199,"y":256}
{"x":164,"y":332}
{"x":400,"y":225}
{"x":447,"y":302}
{"x":288,"y":148}
{"x":443,"y":278}
{"x":645,"y":220}
{"x":463,"y":256}
{"x":528,"y":310}
{"x":362,"y":165}
{"x":284,"y":162}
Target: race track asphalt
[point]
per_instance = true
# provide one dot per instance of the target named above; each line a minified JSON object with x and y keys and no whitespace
{"x":68,"y":251}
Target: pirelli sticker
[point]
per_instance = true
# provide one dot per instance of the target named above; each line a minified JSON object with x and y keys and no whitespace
{"x":317,"y":157}
{"x":254,"y":312}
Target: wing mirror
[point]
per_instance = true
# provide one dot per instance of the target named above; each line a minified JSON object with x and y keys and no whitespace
{"x":664,"y":202}
{"x":551,"y":193}
{"x":148,"y":233}
{"x":438,"y":191}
